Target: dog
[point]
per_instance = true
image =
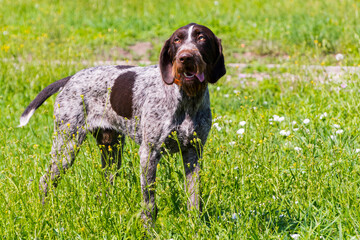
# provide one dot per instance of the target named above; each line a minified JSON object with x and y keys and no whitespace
{"x":165,"y":106}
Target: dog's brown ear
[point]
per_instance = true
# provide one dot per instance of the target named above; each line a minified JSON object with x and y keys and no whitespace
{"x":218,"y":68}
{"x":166,"y":64}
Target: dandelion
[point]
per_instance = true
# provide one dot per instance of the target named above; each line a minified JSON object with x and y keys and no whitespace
{"x":216,"y":125}
{"x":339,"y":57}
{"x":336,"y":126}
{"x":242,"y":123}
{"x":306,"y":121}
{"x":298,"y":149}
{"x":340,"y":131}
{"x":241,"y":131}
{"x":284,"y":133}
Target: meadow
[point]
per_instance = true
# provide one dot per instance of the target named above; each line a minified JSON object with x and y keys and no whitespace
{"x":283,"y":157}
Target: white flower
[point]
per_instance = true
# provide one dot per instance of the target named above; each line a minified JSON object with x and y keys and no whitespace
{"x":218,"y":88}
{"x":339,"y":57}
{"x":5,"y":33}
{"x":240,"y":131}
{"x":296,"y":129}
{"x":284,"y":133}
{"x":332,"y":137}
{"x":232,"y":143}
{"x":236,"y":91}
{"x":295,"y":236}
{"x":216,"y":3}
{"x":293,"y":122}
{"x":343,"y":85}
{"x":357,"y":150}
{"x":242,"y":123}
{"x":265,"y":102}
{"x":336,"y":126}
{"x":298,"y":149}
{"x":324,"y":115}
{"x":216,"y":125}
{"x":278,"y":119}
{"x":226,"y":95}
{"x":340,"y":131}
{"x":306,"y":121}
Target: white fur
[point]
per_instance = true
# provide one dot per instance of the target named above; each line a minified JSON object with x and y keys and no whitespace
{"x":189,"y":34}
{"x":25,"y":119}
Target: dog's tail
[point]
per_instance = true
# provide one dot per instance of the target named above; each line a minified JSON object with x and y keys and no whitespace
{"x":40,"y":98}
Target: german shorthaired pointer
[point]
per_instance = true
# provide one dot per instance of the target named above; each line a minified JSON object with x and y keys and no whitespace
{"x":142,"y":103}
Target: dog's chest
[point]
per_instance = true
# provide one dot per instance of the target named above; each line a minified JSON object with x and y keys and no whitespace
{"x":185,"y":130}
{"x":182,"y":132}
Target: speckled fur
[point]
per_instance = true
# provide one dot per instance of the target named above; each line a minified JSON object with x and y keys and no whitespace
{"x":159,"y":110}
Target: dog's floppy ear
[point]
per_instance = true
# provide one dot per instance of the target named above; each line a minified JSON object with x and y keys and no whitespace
{"x":218,"y":68}
{"x":166,"y":64}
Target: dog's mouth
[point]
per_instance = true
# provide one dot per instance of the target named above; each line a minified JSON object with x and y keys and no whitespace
{"x":190,"y":76}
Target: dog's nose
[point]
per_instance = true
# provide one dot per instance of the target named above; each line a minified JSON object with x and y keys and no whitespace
{"x":186,"y":57}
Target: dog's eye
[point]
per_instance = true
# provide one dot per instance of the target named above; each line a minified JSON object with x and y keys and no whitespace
{"x":201,"y":38}
{"x":177,"y":40}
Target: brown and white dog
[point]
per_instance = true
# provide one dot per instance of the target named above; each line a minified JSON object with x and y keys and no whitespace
{"x":148,"y":104}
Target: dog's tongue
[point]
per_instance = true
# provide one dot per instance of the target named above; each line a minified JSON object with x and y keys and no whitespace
{"x":200,"y":76}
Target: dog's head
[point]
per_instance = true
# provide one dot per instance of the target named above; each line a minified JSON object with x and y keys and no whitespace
{"x":191,"y":57}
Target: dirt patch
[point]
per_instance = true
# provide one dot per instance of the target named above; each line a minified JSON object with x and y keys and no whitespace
{"x":141,"y":50}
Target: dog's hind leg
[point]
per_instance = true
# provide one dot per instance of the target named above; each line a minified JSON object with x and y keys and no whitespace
{"x":66,"y":145}
{"x":111,"y":144}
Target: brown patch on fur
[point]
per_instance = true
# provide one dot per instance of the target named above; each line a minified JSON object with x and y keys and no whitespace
{"x":106,"y":136}
{"x":192,"y":88}
{"x":123,"y":67}
{"x":122,"y":94}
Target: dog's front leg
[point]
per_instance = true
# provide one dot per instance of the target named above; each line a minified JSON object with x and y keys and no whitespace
{"x":149,"y":159}
{"x":192,"y":181}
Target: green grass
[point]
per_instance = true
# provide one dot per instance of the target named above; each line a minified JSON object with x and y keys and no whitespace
{"x":255,"y":185}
